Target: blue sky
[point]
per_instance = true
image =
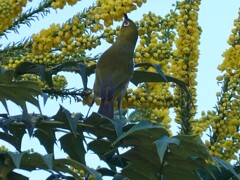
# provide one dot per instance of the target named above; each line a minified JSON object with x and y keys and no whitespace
{"x":215,"y":17}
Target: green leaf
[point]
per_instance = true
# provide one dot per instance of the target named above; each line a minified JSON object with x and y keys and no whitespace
{"x":16,"y":158}
{"x":14,"y":175}
{"x":63,"y":115}
{"x":46,"y":138}
{"x":190,"y":146}
{"x":11,"y":140}
{"x":100,"y":147}
{"x":6,"y":76}
{"x":142,"y":127}
{"x":100,"y":126}
{"x":83,"y":70}
{"x":48,"y":159}
{"x":156,"y":66}
{"x":61,"y":165}
{"x":106,"y":172}
{"x":76,"y":152}
{"x":139,"y":172}
{"x":226,"y":165}
{"x":162,"y":145}
{"x":20,"y":93}
{"x":144,"y":76}
{"x":31,"y":161}
{"x":31,"y":68}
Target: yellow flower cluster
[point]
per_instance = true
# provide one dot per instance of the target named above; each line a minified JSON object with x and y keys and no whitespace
{"x":186,"y":55}
{"x":9,"y":10}
{"x":144,"y":98}
{"x":47,"y":59}
{"x":185,"y":61}
{"x":109,"y":10}
{"x":224,"y":121}
{"x":3,"y":149}
{"x":61,"y":3}
{"x":59,"y":81}
{"x":81,"y":173}
{"x":155,"y":47}
{"x":111,"y":34}
{"x":71,"y":36}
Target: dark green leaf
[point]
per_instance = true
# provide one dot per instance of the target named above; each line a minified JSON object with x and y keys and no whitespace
{"x":6,"y":76}
{"x":226,"y":165}
{"x":162,"y":145}
{"x":156,"y":66}
{"x":142,"y":128}
{"x":17,"y":158}
{"x":20,"y":93}
{"x":31,"y":68}
{"x":46,"y":138}
{"x":14,"y":175}
{"x":76,"y":152}
{"x":99,"y":146}
{"x":190,"y":146}
{"x":90,"y":70}
{"x":106,"y":172}
{"x":61,"y":165}
{"x":63,"y":115}
{"x":11,"y":140}
{"x":48,"y":159}
{"x":144,"y":76}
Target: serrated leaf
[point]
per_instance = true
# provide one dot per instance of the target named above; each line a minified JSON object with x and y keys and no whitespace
{"x":46,"y":138}
{"x":32,"y":161}
{"x":14,"y":175}
{"x":31,"y":68}
{"x":48,"y":159}
{"x":72,"y":122}
{"x":6,"y":76}
{"x":63,"y":115}
{"x":162,"y":145}
{"x":17,"y":158}
{"x":142,"y":126}
{"x":106,"y":172}
{"x":11,"y":140}
{"x":4,"y":103}
{"x":145,"y":76}
{"x":226,"y":165}
{"x":99,"y":146}
{"x":20,"y":93}
{"x":156,"y":66}
{"x":83,"y":74}
{"x":76,"y":152}
{"x":60,"y":165}
{"x":190,"y":146}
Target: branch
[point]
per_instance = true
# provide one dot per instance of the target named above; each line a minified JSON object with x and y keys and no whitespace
{"x":29,"y":15}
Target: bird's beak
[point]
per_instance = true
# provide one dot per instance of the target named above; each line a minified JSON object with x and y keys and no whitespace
{"x":125,"y":17}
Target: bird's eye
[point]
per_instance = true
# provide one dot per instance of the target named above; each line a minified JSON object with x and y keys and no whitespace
{"x":126,"y":23}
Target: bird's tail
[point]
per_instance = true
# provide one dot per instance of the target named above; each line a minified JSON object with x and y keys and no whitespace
{"x":106,"y":109}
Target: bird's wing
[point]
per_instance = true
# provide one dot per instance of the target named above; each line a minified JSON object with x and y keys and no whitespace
{"x":113,"y":73}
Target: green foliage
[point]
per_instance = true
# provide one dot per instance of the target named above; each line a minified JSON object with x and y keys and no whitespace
{"x":19,"y":92}
{"x":150,"y":152}
{"x":141,"y":150}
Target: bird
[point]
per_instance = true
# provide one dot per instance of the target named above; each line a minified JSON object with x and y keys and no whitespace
{"x":114,"y":69}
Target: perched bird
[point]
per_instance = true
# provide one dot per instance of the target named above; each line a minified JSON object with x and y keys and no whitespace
{"x":115,"y":69}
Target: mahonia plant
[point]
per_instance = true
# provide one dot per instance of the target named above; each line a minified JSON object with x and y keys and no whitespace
{"x":170,"y":42}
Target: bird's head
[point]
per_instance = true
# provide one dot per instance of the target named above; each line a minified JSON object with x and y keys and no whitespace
{"x":129,"y":31}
